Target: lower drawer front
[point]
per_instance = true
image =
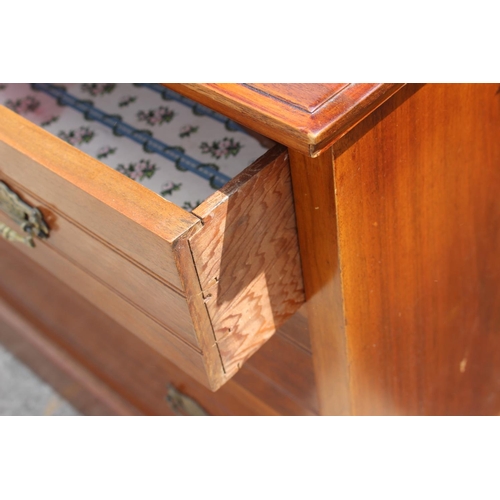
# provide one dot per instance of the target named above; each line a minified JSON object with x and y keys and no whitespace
{"x":101,"y":368}
{"x":204,"y":289}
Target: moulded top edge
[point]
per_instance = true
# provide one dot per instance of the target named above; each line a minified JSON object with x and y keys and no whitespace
{"x":307,"y":117}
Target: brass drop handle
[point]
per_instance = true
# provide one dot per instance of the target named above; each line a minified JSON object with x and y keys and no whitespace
{"x":181,"y":404}
{"x":10,"y":235}
{"x":30,"y":219}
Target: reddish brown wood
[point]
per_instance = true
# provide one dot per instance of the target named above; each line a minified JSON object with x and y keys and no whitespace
{"x":27,"y":336}
{"x":99,"y":200}
{"x":305,"y":117}
{"x":124,"y":313}
{"x":273,"y":362}
{"x":299,"y":335}
{"x":86,"y":391}
{"x":247,"y":258}
{"x":417,"y":188}
{"x":306,"y":96}
{"x":145,"y":291}
{"x":313,"y":186}
{"x":126,"y":250}
{"x":398,"y":241}
{"x":214,"y":367}
{"x":120,"y":367}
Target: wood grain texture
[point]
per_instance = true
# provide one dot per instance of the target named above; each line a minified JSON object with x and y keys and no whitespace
{"x":247,"y":258}
{"x":417,"y":187}
{"x":313,"y":186}
{"x":166,"y":342}
{"x":202,"y":324}
{"x":273,"y":362}
{"x":305,"y":117}
{"x":129,"y":369}
{"x":86,"y":392}
{"x":299,"y":334}
{"x":116,"y":237}
{"x":132,"y":219}
{"x":143,"y":290}
{"x":305,"y":96}
{"x":107,"y":297}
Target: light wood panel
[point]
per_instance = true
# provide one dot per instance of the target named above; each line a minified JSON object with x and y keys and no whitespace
{"x":247,"y":258}
{"x":131,"y":250}
{"x":165,"y":342}
{"x":214,"y":367}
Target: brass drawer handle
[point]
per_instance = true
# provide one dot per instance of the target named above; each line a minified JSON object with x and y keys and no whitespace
{"x":181,"y":404}
{"x":10,"y":235}
{"x":29,"y":218}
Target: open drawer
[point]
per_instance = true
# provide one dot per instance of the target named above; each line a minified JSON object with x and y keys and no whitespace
{"x":204,"y":288}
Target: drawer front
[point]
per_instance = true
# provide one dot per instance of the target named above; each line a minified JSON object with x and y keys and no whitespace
{"x":145,"y":289}
{"x":204,"y":289}
{"x":53,"y":322}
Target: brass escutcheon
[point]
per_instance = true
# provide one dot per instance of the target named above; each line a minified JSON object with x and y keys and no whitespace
{"x":29,"y":218}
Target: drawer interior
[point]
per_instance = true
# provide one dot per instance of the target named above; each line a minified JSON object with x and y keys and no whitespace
{"x":170,"y":144}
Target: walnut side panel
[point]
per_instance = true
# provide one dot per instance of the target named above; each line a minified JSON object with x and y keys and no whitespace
{"x":247,"y":258}
{"x":417,"y":190}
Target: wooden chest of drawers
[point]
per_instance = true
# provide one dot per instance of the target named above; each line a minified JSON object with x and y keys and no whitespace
{"x":402,"y":299}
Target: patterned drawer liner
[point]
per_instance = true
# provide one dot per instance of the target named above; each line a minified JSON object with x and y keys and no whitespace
{"x":170,"y":144}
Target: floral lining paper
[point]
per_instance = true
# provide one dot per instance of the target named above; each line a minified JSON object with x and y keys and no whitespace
{"x":170,"y":144}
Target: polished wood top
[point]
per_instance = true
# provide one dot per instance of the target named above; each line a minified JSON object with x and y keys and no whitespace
{"x":307,"y":97}
{"x":308,"y":117}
